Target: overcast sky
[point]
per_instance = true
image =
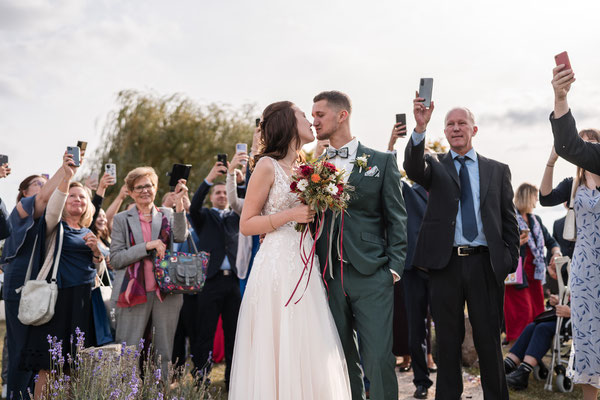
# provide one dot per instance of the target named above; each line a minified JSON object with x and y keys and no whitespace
{"x":63,"y":61}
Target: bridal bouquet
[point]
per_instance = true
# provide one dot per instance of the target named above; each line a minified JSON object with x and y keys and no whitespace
{"x":321,"y":186}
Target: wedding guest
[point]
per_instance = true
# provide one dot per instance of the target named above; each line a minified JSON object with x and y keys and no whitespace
{"x":24,"y":219}
{"x":584,"y":364}
{"x":69,"y":210}
{"x":217,"y":229}
{"x":415,"y":282}
{"x":140,"y":235}
{"x":567,"y":143}
{"x":468,"y":242}
{"x":98,"y":198}
{"x":531,"y":346}
{"x":523,"y":302}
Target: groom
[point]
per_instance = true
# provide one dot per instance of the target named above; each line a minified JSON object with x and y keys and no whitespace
{"x":373,"y":233}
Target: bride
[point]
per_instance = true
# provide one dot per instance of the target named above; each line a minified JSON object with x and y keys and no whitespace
{"x":292,"y":352}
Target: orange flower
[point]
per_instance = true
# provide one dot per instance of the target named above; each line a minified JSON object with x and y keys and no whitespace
{"x":315,"y":178}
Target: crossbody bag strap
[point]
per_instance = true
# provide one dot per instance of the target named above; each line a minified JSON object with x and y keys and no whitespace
{"x":30,"y":266}
{"x":58,"y":251}
{"x":573,"y":191}
{"x":190,"y":239}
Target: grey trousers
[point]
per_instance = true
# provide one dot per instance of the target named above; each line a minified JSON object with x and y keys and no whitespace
{"x":132,"y":321}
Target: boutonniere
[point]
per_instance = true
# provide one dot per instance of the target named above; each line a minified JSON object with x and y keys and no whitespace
{"x":361,"y":162}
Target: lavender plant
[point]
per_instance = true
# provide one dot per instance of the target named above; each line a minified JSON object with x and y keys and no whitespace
{"x":113,"y":372}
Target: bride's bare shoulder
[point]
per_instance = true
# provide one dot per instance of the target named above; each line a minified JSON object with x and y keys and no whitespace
{"x":264,"y":170}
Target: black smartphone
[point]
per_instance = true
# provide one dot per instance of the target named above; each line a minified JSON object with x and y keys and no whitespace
{"x":257,"y":122}
{"x":3,"y":159}
{"x":179,"y":171}
{"x":426,"y":90}
{"x":222,"y":158}
{"x":82,"y":145}
{"x":401,"y":119}
{"x":76,"y":153}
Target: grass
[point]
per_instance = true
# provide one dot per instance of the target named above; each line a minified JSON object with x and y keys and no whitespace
{"x":534,"y":391}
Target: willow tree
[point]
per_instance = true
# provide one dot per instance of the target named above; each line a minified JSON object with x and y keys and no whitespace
{"x":147,"y":129}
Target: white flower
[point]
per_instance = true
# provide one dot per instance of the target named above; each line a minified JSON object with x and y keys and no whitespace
{"x":302,"y":185}
{"x":331,"y":188}
{"x":362,"y":159}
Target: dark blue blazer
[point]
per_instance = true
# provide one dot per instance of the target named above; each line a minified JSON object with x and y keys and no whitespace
{"x":415,"y":199}
{"x":5,"y":228}
{"x":217,"y":236}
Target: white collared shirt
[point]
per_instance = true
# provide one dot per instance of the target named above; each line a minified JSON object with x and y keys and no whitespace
{"x":347,"y":164}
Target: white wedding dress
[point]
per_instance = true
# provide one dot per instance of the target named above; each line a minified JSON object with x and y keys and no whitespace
{"x":293,"y":352}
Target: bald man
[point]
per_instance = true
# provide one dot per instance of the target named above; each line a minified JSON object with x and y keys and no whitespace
{"x":469,"y":242}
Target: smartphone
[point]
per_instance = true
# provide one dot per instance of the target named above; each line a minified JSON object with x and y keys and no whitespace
{"x":82,"y":145}
{"x":76,"y":153}
{"x":179,"y":171}
{"x":401,"y":119}
{"x":111,"y":169}
{"x":563,"y":58}
{"x":257,"y":122}
{"x":222,"y":158}
{"x":425,"y":90}
{"x":3,"y":159}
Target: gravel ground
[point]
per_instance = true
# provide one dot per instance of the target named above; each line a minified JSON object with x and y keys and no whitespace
{"x":471,"y":386}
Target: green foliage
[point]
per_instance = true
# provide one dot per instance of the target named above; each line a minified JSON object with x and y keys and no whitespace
{"x":147,"y":129}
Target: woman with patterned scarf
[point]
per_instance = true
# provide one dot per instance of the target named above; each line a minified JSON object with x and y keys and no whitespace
{"x":523,"y":302}
{"x":139,"y":235}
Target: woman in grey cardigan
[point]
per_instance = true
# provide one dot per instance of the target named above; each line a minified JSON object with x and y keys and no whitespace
{"x":139,"y":236}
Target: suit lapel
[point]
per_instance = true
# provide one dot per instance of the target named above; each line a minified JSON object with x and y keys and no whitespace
{"x":156,"y":223}
{"x":133,"y":219}
{"x":448,"y":162}
{"x":485,"y":176}
{"x":357,"y":175}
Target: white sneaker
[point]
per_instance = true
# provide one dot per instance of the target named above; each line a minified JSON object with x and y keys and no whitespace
{"x":4,"y":391}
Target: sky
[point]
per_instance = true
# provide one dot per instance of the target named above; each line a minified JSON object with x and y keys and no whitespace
{"x":64,"y":61}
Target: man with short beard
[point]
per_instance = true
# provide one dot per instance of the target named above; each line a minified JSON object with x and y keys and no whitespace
{"x":369,"y":259}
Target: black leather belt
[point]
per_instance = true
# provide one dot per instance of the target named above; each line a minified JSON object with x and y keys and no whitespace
{"x":463,"y":251}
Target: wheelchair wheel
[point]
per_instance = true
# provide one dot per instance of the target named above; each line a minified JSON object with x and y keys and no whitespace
{"x":564,"y":384}
{"x":540,"y":372}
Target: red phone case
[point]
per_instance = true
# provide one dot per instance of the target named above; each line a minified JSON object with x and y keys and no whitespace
{"x":563,"y":58}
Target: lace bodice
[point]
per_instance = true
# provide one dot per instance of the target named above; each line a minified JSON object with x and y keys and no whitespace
{"x":280,"y":197}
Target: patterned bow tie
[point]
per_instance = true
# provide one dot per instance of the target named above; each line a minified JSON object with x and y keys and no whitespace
{"x":342,"y":153}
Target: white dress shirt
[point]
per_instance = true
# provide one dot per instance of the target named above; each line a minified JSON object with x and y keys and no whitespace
{"x":346,"y":164}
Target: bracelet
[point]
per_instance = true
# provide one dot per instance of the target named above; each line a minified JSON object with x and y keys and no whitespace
{"x":551,"y":166}
{"x":271,"y":222}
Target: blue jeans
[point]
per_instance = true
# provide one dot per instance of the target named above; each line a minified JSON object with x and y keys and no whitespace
{"x":535,"y":340}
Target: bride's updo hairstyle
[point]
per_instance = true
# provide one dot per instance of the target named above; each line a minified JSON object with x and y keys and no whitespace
{"x":278,"y":129}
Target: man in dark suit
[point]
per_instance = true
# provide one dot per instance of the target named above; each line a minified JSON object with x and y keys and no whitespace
{"x":217,"y":230}
{"x":469,"y":242}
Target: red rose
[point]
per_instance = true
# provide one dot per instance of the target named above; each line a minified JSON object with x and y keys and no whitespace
{"x":293,"y":186}
{"x":340,"y":188}
{"x":330,"y":166}
{"x":306,"y":170}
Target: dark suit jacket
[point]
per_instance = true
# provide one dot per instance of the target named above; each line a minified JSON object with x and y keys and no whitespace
{"x":571,"y":147}
{"x":216,"y":235}
{"x":415,"y":199}
{"x":436,"y":237}
{"x":5,"y":228}
{"x":375,"y":221}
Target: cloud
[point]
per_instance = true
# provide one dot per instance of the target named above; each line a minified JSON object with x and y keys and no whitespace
{"x":37,"y":15}
{"x":527,"y":118}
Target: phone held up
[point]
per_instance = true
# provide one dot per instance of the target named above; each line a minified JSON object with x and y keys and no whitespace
{"x":82,"y":145}
{"x":401,"y":119}
{"x":426,"y":90}
{"x":257,"y":121}
{"x":111,"y":169}
{"x":179,"y":171}
{"x":3,"y":159}
{"x":563,"y":58}
{"x":76,"y":153}
{"x":222,"y":158}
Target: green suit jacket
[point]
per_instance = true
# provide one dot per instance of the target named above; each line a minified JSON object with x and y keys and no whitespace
{"x":374,"y":231}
